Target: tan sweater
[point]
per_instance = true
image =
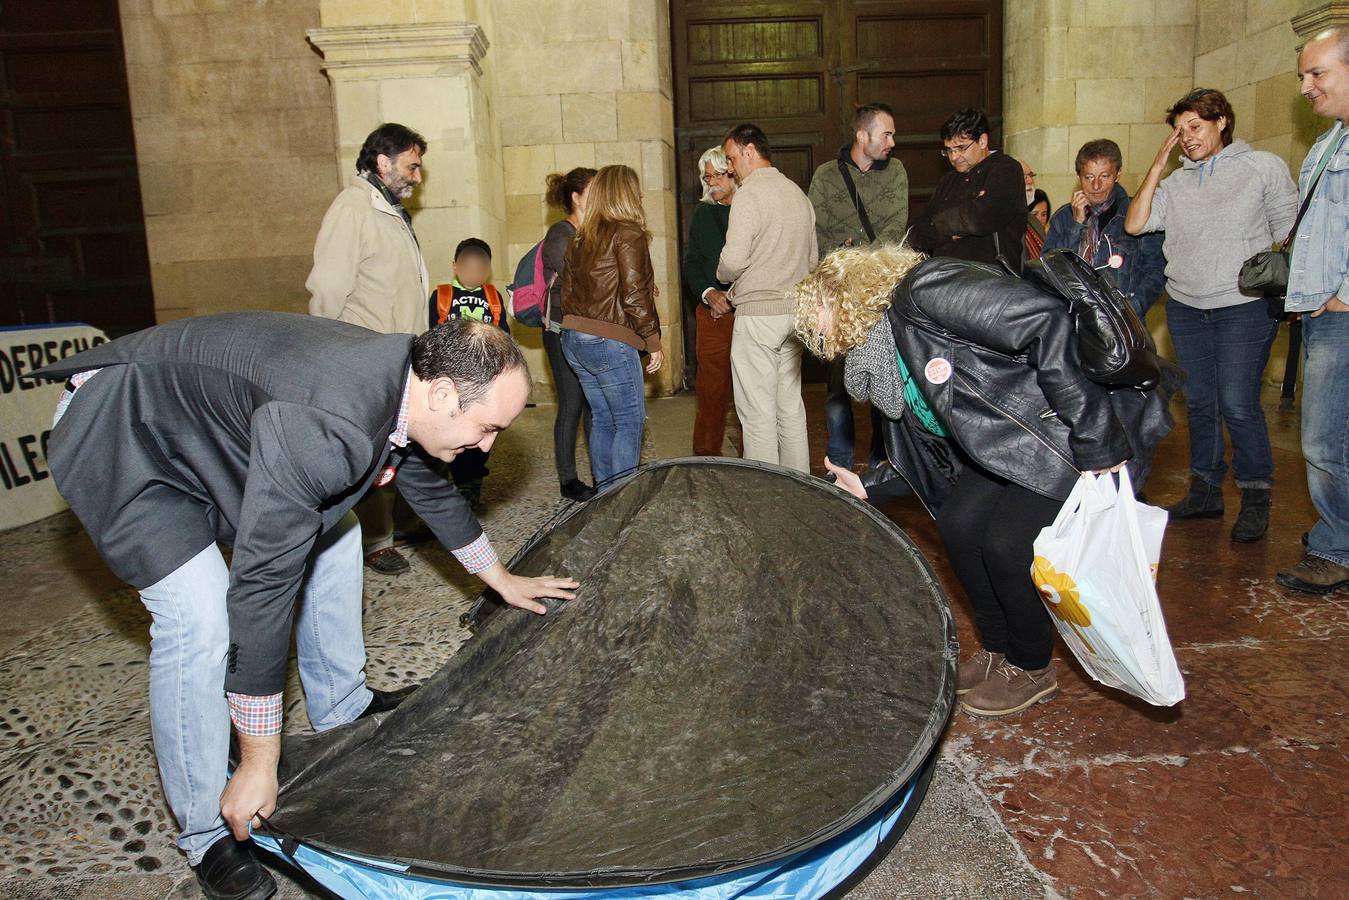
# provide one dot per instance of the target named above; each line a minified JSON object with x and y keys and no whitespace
{"x":770,"y":244}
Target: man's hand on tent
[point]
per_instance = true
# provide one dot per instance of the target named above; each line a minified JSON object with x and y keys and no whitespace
{"x":523,"y":592}
{"x":251,"y":791}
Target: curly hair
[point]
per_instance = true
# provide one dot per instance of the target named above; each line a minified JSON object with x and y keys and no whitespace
{"x":847,"y":293}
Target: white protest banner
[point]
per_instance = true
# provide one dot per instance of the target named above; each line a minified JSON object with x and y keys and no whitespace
{"x":27,"y":492}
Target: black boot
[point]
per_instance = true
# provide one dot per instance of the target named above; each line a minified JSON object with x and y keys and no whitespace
{"x":229,"y":871}
{"x":1253,"y":520}
{"x":577,"y":491}
{"x":1204,"y":501}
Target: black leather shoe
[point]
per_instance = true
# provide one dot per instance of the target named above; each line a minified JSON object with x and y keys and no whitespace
{"x":383,"y":701}
{"x":577,"y":491}
{"x":229,"y":871}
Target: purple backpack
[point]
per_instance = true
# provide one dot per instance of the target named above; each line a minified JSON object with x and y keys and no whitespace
{"x":529,"y":290}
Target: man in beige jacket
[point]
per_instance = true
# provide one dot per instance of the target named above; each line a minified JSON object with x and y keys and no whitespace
{"x":368,"y":270}
{"x":770,"y":246}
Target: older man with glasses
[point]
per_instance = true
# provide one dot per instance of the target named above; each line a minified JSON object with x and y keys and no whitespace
{"x":978,"y":211}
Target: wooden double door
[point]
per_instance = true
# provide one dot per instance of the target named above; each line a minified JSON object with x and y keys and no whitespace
{"x":72,"y":234}
{"x":799,"y":69}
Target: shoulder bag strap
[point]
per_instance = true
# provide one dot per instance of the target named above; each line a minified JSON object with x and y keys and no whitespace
{"x":1330,"y":152}
{"x":856,"y":200}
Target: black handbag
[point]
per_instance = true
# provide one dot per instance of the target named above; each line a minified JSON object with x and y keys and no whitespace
{"x":1266,"y":273}
{"x":1113,"y":345}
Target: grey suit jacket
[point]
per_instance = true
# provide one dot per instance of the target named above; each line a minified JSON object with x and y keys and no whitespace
{"x":259,"y":430}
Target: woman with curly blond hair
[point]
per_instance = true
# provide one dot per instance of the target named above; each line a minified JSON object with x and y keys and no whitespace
{"x":989,"y":419}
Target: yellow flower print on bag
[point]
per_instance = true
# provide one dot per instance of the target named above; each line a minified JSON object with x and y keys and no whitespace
{"x":1061,"y":596}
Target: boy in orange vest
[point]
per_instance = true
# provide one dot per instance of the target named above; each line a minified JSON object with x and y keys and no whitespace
{"x":470,"y":296}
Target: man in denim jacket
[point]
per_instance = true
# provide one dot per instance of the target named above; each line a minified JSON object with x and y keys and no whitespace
{"x":1318,"y":287}
{"x":1092,"y":224}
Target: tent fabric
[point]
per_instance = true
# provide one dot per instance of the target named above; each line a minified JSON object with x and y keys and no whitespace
{"x":826,"y":871}
{"x":756,"y":664}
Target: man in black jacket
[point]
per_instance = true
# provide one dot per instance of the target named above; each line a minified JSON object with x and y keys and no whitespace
{"x":261,"y":431}
{"x":978,"y":211}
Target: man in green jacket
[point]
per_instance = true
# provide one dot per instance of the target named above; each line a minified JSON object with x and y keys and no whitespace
{"x":860,"y":197}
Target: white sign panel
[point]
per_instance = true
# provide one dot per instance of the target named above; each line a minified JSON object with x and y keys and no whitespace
{"x":27,"y":492}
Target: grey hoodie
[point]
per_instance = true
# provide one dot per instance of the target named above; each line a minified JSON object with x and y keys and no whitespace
{"x":1216,"y":214}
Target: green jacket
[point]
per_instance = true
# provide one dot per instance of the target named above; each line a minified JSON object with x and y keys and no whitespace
{"x":707,"y":235}
{"x":884,"y":191}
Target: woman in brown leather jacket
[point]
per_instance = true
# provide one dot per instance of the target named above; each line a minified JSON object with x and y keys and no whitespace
{"x":609,"y":317}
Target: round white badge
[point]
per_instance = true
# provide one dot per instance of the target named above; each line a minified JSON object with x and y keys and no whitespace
{"x":1115,"y":261}
{"x":937,"y":371}
{"x":385,"y":477}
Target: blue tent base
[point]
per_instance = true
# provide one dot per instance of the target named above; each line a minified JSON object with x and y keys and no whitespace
{"x":829,"y":870}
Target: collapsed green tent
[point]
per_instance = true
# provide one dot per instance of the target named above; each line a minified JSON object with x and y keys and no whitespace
{"x":755,"y":671}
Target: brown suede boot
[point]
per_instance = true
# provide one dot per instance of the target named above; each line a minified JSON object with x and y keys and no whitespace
{"x":976,"y":670}
{"x":1010,"y":689}
{"x":1314,"y":575}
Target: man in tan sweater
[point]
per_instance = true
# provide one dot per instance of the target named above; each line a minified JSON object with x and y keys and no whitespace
{"x":770,"y":246}
{"x":368,"y":270}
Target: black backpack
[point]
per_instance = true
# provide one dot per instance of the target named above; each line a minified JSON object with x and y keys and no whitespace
{"x":1114,"y":347}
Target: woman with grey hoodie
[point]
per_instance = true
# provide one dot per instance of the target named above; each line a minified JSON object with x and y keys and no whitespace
{"x":1225,"y":203}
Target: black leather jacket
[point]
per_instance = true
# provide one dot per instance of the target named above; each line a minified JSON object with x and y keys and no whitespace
{"x":996,"y":359}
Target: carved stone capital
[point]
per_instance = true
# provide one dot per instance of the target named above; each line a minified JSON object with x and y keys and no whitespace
{"x":358,"y":52}
{"x":1317,"y":19}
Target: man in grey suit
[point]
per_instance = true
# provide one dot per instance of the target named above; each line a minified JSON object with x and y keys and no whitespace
{"x":261,"y":431}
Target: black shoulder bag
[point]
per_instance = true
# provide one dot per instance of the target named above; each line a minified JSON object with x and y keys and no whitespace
{"x":1266,"y":273}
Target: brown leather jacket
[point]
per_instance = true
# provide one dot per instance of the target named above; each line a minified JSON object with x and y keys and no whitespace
{"x":609,"y":289}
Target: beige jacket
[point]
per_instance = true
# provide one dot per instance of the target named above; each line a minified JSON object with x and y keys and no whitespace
{"x":368,"y":269}
{"x":770,"y":244}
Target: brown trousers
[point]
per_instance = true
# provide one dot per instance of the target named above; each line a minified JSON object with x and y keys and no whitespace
{"x":712,"y":387}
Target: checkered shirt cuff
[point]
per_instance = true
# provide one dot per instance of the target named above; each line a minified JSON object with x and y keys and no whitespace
{"x":255,"y":716}
{"x":477,"y":556}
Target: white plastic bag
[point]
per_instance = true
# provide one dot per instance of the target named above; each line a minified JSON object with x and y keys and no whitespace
{"x":1096,"y":568}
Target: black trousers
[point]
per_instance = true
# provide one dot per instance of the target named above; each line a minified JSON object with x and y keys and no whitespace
{"x":989,"y":526}
{"x":572,"y":409}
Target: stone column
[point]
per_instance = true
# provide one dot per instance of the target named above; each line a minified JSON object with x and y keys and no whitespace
{"x":427,"y":76}
{"x":587,"y":83}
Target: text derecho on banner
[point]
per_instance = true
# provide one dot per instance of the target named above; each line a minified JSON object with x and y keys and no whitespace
{"x":27,"y":492}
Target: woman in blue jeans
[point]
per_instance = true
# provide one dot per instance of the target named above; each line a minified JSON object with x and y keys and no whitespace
{"x":1225,"y":203}
{"x":609,"y":317}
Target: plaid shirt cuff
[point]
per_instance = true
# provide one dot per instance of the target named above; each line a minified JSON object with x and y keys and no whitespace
{"x":255,"y":716}
{"x":477,"y":556}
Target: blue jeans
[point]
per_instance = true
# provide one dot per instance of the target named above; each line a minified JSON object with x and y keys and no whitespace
{"x":610,"y":373}
{"x":1325,"y":431}
{"x":1223,"y":352}
{"x":189,"y":639}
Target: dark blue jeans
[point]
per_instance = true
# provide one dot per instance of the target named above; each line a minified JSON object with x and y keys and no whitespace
{"x":1223,"y":352}
{"x":610,"y":373}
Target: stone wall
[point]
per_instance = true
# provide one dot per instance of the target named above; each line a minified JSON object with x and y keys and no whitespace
{"x":234,"y":143}
{"x":1081,"y":70}
{"x":587,"y":83}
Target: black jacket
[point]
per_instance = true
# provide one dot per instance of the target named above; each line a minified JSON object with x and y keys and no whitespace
{"x":996,"y":359}
{"x":259,"y":430}
{"x":967,"y":211}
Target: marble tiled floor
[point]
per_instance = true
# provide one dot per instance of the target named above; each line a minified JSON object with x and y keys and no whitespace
{"x":1240,"y":789}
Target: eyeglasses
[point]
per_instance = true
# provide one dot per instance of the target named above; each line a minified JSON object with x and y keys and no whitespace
{"x":948,"y":152}
{"x":711,"y":179}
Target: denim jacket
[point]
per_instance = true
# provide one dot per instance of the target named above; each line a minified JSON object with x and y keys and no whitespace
{"x":1142,"y":277}
{"x":1319,"y":267}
